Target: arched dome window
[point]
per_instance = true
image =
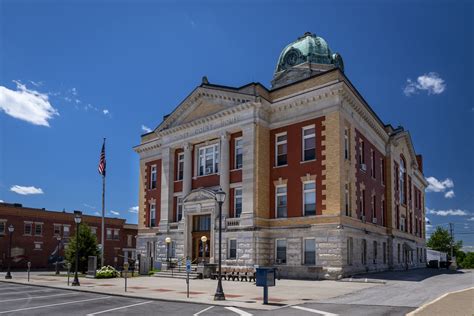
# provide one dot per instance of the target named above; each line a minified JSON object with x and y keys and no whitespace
{"x":403,"y":177}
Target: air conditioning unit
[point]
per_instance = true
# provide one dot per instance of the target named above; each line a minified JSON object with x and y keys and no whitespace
{"x":374,"y":220}
{"x":363,"y":167}
{"x":362,"y":218}
{"x":208,"y":170}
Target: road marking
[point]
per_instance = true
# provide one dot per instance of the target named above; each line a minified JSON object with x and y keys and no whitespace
{"x":32,"y":297}
{"x":117,"y":308}
{"x":238,"y":311}
{"x":314,"y":311}
{"x":25,"y":292}
{"x":51,"y":305}
{"x":12,"y":287}
{"x":206,"y":309}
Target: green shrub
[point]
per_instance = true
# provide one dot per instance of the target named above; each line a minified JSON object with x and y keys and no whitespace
{"x":107,"y":272}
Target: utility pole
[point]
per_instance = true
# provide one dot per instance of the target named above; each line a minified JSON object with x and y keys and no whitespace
{"x":451,"y":227}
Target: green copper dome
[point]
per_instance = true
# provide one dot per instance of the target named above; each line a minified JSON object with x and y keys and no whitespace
{"x":308,"y":48}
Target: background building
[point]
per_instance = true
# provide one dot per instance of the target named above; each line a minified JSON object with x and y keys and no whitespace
{"x":36,"y":231}
{"x":316,"y":183}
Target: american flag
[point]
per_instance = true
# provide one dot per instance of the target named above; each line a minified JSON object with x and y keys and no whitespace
{"x":102,"y":160}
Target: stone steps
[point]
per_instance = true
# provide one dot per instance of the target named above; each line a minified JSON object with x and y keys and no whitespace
{"x":176,"y":274}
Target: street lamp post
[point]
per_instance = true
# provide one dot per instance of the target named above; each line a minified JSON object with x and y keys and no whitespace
{"x":219,"y":296}
{"x":58,"y":238}
{"x":77,"y":219}
{"x":10,"y":231}
{"x":168,"y":242}
{"x":204,"y":240}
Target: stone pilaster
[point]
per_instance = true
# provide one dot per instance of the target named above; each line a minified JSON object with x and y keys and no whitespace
{"x":167,"y":173}
{"x":187,"y":170}
{"x":248,"y":177}
{"x":224,"y":170}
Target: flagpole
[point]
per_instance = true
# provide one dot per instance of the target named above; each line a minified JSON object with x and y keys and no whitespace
{"x":103,"y":219}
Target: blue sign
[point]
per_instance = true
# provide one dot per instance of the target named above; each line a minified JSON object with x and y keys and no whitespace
{"x":188,"y":265}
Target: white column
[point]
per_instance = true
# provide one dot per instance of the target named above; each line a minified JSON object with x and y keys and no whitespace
{"x":224,"y":171}
{"x":187,"y":170}
{"x":248,"y":174}
{"x":167,"y":176}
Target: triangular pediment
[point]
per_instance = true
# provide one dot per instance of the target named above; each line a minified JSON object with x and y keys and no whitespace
{"x":403,"y":140}
{"x":201,"y":103}
{"x":199,"y":195}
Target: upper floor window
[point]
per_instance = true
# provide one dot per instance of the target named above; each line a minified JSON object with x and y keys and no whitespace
{"x":346,"y":144}
{"x":208,"y":160}
{"x":57,"y":229}
{"x":38,"y":229}
{"x":153,"y":177}
{"x":281,"y":149}
{"x":179,"y":208}
{"x":2,"y":227}
{"x":28,"y":228}
{"x":361,"y":153}
{"x":362,"y":205}
{"x":152,"y":215}
{"x":382,"y":170}
{"x":347,"y":200}
{"x":281,"y":201}
{"x":65,"y":231}
{"x":238,"y":154}
{"x":374,"y":207}
{"x":129,"y":240}
{"x":382,"y":212}
{"x":94,"y":230}
{"x":402,"y":179}
{"x":372,"y":163}
{"x":109,"y":233}
{"x":179,"y":174}
{"x":116,"y":234}
{"x":309,"y":143}
{"x":309,"y":198}
{"x":238,"y":201}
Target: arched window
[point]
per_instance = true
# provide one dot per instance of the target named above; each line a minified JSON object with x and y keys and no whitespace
{"x":403,"y":175}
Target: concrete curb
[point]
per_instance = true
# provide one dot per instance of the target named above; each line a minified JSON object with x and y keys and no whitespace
{"x":366,"y":280}
{"x":259,"y":307}
{"x":424,"y":306}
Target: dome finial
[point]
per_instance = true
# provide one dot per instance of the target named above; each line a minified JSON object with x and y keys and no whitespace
{"x":204,"y":80}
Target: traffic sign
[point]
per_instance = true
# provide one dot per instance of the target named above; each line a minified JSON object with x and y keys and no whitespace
{"x":188,"y":265}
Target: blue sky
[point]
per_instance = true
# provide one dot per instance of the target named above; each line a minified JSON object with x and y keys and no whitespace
{"x":73,"y":72}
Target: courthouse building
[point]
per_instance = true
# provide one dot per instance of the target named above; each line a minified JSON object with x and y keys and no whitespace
{"x":316,"y":183}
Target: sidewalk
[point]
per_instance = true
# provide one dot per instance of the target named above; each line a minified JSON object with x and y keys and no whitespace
{"x":459,"y":303}
{"x":239,"y":294}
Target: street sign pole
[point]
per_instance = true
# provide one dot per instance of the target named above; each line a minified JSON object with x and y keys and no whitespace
{"x":188,"y":269}
{"x":29,"y":266}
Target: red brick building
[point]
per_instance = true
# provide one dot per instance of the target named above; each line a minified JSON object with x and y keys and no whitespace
{"x":36,"y":231}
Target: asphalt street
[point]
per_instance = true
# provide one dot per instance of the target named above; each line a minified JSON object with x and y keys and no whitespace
{"x":16,"y":299}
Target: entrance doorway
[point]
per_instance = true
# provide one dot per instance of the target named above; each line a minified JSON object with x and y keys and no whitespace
{"x":201,"y":238}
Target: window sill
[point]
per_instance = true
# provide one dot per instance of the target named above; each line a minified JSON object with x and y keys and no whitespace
{"x":178,"y":180}
{"x":237,"y":169}
{"x":308,"y":161}
{"x":206,"y":175}
{"x":282,"y":166}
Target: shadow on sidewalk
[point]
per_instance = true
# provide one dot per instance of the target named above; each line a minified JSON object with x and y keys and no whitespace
{"x":416,"y":275}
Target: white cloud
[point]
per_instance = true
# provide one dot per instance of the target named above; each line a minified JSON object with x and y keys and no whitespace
{"x":105,"y":111}
{"x":26,"y":190}
{"x":431,"y":82}
{"x":449,"y":194}
{"x":146,"y":129}
{"x":447,"y":212}
{"x":1,"y":201}
{"x":27,"y":105}
{"x":133,"y":209}
{"x":471,"y":219}
{"x":434,"y":185}
{"x":97,"y":214}
{"x":89,"y":206}
{"x":114,"y":213}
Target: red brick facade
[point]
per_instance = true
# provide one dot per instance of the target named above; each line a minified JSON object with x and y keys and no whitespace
{"x":40,"y":247}
{"x":153,"y":194}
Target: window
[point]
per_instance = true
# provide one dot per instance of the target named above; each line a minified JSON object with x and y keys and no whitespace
{"x":129,"y":240}
{"x":238,"y":155}
{"x":361,"y":152}
{"x":382,"y":213}
{"x":402,"y":224}
{"x":28,"y":228}
{"x":232,"y":248}
{"x":201,"y":223}
{"x":362,"y":205}
{"x":382,"y":170}
{"x":281,"y":149}
{"x":350,"y":250}
{"x":309,"y":143}
{"x":66,"y":231}
{"x":152,"y":215}
{"x":402,"y":177}
{"x":38,"y":229}
{"x":109,"y":233}
{"x":281,"y":251}
{"x":375,"y":251}
{"x":153,"y":177}
{"x":93,"y":230}
{"x":281,"y":201}
{"x":347,"y":200}
{"x":398,"y":253}
{"x":237,"y":201}
{"x":179,"y":208}
{"x":346,"y":144}
{"x":372,"y":163}
{"x":38,"y":245}
{"x":374,"y":206}
{"x":179,"y":175}
{"x":364,"y":252}
{"x":384,"y":252}
{"x":116,"y":234}
{"x":309,"y":251}
{"x":309,"y":198}
{"x":2,"y":227}
{"x":208,"y":160}
{"x":57,"y":229}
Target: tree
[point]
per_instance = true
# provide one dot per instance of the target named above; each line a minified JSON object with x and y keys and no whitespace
{"x":441,"y":240}
{"x":468,"y":262}
{"x":87,"y":247}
